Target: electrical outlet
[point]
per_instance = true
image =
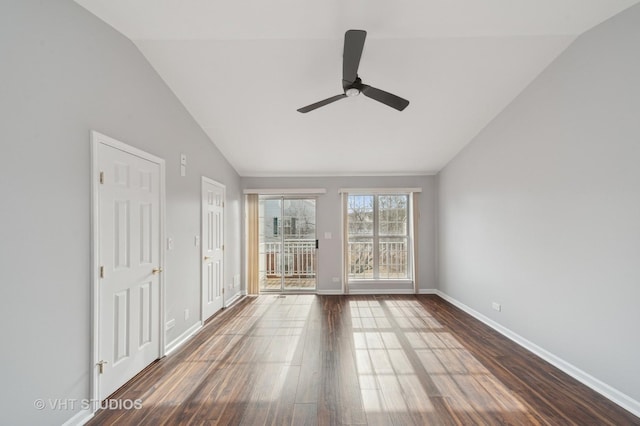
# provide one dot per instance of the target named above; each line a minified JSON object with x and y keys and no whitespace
{"x":335,"y":279}
{"x":496,"y":306}
{"x":170,"y":324}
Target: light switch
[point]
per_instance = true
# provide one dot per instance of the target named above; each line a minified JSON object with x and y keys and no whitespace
{"x":197,"y":241}
{"x":169,"y":243}
{"x":327,"y":235}
{"x":183,"y":165}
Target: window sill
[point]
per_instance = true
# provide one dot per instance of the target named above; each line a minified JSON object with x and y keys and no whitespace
{"x":386,"y":282}
{"x":382,"y":286}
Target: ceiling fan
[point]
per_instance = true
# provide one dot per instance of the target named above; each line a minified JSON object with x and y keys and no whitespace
{"x":351,"y":83}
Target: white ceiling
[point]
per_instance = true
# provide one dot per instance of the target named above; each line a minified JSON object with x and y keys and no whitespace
{"x":243,"y":68}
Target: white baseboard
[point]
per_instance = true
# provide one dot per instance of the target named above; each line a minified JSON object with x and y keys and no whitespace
{"x":178,"y":341}
{"x":429,"y":291}
{"x":378,"y":291}
{"x":602,"y":388}
{"x":330,"y":292}
{"x":234,"y":299}
{"x":403,"y":291}
{"x":80,"y":418}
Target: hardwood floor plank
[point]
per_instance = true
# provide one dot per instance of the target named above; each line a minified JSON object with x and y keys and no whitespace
{"x":305,"y":415}
{"x":310,"y":369}
{"x":355,"y":360}
{"x":281,"y":411}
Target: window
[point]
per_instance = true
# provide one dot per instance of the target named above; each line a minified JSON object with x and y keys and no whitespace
{"x":288,"y":225}
{"x":378,"y":237}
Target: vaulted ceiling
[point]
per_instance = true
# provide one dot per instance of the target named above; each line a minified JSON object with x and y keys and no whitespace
{"x":242,"y":69}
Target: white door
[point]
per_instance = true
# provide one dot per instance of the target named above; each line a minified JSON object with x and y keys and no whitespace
{"x":212,"y":247}
{"x":129,"y":221}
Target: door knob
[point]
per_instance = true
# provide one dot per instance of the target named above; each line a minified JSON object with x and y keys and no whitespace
{"x":207,"y":258}
{"x":156,"y":271}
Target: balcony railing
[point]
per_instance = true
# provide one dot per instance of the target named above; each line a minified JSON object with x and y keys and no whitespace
{"x":297,"y":258}
{"x":392,"y":260}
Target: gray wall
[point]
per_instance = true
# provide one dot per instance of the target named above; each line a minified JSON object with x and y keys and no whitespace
{"x":329,"y":213}
{"x":63,"y":73}
{"x":541,"y":212}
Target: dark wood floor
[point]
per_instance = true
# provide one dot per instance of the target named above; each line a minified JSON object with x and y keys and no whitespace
{"x":355,"y":360}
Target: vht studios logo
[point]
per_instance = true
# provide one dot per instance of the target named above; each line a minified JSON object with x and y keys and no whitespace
{"x":60,"y":404}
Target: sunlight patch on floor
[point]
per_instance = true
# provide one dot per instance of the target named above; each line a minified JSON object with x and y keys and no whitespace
{"x":390,"y":342}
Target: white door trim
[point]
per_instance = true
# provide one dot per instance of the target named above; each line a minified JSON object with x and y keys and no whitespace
{"x":224,"y":219}
{"x":96,"y":139}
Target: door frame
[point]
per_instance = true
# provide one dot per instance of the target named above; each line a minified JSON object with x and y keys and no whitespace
{"x":97,"y":139}
{"x":224,"y":219}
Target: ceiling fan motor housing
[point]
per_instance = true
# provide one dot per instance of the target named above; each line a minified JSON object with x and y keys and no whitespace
{"x":352,"y":88}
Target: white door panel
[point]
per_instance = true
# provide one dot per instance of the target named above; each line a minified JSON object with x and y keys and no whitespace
{"x":129,"y":254}
{"x":212,"y":247}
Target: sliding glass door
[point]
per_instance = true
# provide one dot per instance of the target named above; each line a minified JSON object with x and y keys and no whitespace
{"x":288,"y":244}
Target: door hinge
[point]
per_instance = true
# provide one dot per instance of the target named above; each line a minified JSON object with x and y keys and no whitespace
{"x":102,"y":272}
{"x":101,"y":178}
{"x":101,"y":366}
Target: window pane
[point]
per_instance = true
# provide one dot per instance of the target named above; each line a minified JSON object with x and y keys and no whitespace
{"x":360,"y":214}
{"x":299,"y":219}
{"x":392,"y":261}
{"x":361,"y":258}
{"x":378,"y":237}
{"x":392,"y":211}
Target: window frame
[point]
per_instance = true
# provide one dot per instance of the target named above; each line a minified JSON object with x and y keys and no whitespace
{"x":378,"y":281}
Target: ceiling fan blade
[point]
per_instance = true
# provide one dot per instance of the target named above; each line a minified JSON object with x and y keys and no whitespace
{"x":322,"y":103}
{"x":385,"y":97}
{"x":353,"y":45}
